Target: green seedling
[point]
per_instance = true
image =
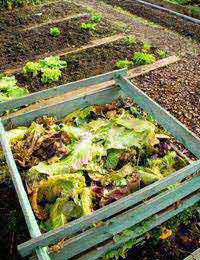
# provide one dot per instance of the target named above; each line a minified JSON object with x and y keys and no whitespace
{"x":88,"y":26}
{"x":130,"y":40}
{"x":54,"y":31}
{"x":142,"y":58}
{"x":120,"y":64}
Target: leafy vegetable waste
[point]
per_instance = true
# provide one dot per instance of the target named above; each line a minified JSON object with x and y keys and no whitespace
{"x":89,"y":159}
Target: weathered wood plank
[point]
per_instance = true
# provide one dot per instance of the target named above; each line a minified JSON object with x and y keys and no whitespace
{"x":117,"y":224}
{"x":70,"y":17}
{"x":21,"y":193}
{"x":163,"y":117}
{"x":62,"y":108}
{"x":194,"y":256}
{"x":105,"y":212}
{"x":66,"y":88}
{"x":157,"y":220}
{"x":131,"y":74}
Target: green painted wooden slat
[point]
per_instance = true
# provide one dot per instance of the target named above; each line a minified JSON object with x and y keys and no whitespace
{"x":194,"y":256}
{"x":157,"y":220}
{"x":107,"y":211}
{"x":117,"y":224}
{"x":52,"y":92}
{"x":23,"y":199}
{"x":178,"y":130}
{"x":62,"y":108}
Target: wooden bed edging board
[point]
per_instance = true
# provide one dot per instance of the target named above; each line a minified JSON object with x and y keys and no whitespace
{"x":126,"y":219}
{"x":67,"y":18}
{"x":161,"y":8}
{"x":194,"y":256}
{"x":21,"y":193}
{"x":36,"y":97}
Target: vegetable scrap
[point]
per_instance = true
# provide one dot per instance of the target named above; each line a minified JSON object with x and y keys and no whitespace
{"x":89,"y":159}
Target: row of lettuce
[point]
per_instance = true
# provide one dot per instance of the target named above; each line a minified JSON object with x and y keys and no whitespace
{"x":50,"y":69}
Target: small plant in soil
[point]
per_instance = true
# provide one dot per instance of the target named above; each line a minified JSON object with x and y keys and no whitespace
{"x":96,"y":18}
{"x":48,"y":68}
{"x":161,"y":53}
{"x":54,"y":31}
{"x":142,"y":58}
{"x":88,"y":26}
{"x":146,"y":47}
{"x":120,"y":64}
{"x":50,"y":75}
{"x":31,"y":69}
{"x":130,"y":40}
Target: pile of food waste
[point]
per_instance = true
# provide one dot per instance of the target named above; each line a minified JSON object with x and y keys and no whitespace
{"x":89,"y":159}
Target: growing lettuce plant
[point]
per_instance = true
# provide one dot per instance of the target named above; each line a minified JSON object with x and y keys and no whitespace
{"x":31,"y":69}
{"x":96,"y":18}
{"x":88,"y":26}
{"x":48,"y":68}
{"x":124,"y":64}
{"x":142,"y":58}
{"x":50,"y":75}
{"x":54,"y":31}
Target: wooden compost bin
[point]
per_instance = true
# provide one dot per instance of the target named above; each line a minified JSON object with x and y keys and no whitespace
{"x":152,"y":204}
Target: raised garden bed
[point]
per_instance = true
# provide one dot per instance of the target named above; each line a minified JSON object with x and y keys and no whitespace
{"x":190,"y":8}
{"x":32,"y":15}
{"x":89,"y":63}
{"x":162,"y":17}
{"x":25,"y":45}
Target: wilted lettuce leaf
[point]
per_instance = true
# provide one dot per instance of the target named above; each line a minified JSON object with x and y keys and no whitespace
{"x":147,"y":176}
{"x":113,"y":176}
{"x":55,"y":186}
{"x":76,"y":132}
{"x":122,"y":138}
{"x":86,"y":200}
{"x":60,"y":186}
{"x":112,"y":159}
{"x":157,"y":168}
{"x":79,"y":115}
{"x":62,"y":211}
{"x":15,"y":134}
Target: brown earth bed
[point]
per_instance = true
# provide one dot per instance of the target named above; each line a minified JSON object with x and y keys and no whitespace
{"x":166,"y":19}
{"x":24,"y":46}
{"x":87,"y":63}
{"x":184,"y":9}
{"x":32,"y":15}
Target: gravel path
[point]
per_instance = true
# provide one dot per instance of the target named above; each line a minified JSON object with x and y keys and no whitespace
{"x":176,"y":87}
